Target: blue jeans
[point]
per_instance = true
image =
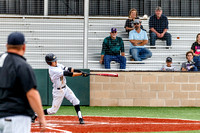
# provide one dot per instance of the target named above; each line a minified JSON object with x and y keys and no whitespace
{"x":194,"y":69}
{"x":196,"y":59}
{"x":118,"y":58}
{"x":139,"y":54}
{"x":167,"y":37}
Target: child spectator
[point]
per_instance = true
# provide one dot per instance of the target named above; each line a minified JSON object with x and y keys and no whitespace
{"x":168,"y":66}
{"x":133,"y":14}
{"x":195,"y":48}
{"x":189,"y":65}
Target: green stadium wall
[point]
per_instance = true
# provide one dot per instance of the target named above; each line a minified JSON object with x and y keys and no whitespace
{"x":79,"y":85}
{"x":155,"y":89}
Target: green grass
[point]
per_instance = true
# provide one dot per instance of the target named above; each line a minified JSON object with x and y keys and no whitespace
{"x":191,"y":113}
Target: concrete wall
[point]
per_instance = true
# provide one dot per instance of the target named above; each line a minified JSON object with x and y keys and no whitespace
{"x":146,"y":89}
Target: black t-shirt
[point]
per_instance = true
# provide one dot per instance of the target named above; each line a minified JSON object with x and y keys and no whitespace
{"x":16,"y":79}
{"x":129,"y":23}
{"x":196,"y":48}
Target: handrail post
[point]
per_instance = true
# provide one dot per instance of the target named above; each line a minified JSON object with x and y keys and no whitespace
{"x":85,"y":39}
{"x":46,"y":2}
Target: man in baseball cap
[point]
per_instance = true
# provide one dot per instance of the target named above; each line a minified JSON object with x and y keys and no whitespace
{"x":138,"y":38}
{"x":18,"y":94}
{"x":113,"y":46}
{"x":16,"y":38}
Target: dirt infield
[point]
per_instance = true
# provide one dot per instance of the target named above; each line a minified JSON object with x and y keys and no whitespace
{"x":115,"y":124}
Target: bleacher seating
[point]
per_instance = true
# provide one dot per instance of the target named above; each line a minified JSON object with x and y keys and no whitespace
{"x":64,"y":37}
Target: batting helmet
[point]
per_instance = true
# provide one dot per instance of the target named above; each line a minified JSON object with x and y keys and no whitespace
{"x":50,"y":58}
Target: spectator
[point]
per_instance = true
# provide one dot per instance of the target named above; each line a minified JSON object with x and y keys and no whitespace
{"x":189,"y":65}
{"x":196,"y":51}
{"x":138,"y":38}
{"x":158,"y":25}
{"x":133,"y":14}
{"x":111,"y":48}
{"x":168,"y":66}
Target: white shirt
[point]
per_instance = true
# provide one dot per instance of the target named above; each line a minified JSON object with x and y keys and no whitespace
{"x":166,"y":68}
{"x":56,"y":76}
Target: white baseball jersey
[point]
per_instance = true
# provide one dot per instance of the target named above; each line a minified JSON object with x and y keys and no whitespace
{"x":56,"y":76}
{"x":60,"y":89}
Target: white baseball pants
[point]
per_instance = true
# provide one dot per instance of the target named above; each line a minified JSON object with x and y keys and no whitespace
{"x":15,"y":124}
{"x":58,"y":96}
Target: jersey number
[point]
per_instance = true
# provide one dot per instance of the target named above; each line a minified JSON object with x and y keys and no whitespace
{"x":2,"y":58}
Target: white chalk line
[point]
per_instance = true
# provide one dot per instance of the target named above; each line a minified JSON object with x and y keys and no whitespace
{"x":72,"y":122}
{"x":52,"y":127}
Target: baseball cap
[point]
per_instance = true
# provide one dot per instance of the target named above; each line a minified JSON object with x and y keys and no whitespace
{"x":16,"y":38}
{"x":168,"y":59}
{"x":158,"y":8}
{"x":113,"y":29}
{"x":136,"y":21}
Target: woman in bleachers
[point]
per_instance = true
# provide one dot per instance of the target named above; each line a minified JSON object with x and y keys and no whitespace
{"x":189,"y":65}
{"x":196,"y":51}
{"x":129,"y":22}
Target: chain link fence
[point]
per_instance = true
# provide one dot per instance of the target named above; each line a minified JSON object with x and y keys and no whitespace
{"x":62,"y":31}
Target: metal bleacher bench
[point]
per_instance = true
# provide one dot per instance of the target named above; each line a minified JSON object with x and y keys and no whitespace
{"x":63,"y":35}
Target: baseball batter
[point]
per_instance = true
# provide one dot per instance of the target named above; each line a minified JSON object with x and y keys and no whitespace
{"x":57,"y":73}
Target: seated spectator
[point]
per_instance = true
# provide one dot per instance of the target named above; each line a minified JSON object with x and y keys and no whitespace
{"x":138,"y":38}
{"x":133,"y":14}
{"x":111,"y":48}
{"x":189,"y":65}
{"x":158,"y":25}
{"x":168,"y":66}
{"x":196,"y":51}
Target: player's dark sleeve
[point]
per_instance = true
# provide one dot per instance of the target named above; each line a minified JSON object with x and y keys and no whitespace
{"x":27,"y":78}
{"x":77,"y":70}
{"x":67,"y":73}
{"x":70,"y":69}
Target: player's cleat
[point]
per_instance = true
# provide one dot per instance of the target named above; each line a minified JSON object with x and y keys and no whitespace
{"x":81,"y":121}
{"x":33,"y":118}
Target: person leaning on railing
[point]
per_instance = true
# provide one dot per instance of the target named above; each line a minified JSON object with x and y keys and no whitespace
{"x":189,"y":65}
{"x":111,"y":48}
{"x":195,"y":48}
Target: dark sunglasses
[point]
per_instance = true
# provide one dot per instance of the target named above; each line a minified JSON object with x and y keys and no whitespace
{"x":114,"y":32}
{"x":136,"y":23}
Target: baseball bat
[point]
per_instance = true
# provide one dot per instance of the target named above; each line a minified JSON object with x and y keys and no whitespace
{"x":105,"y":74}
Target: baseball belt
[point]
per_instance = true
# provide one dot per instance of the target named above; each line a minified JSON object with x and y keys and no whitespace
{"x":61,"y":87}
